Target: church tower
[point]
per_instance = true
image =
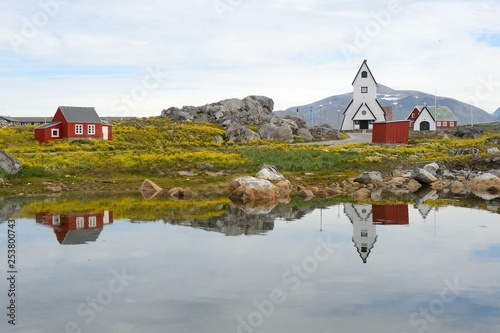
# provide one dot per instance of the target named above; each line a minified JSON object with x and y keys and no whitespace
{"x":364,"y":108}
{"x":364,"y":234}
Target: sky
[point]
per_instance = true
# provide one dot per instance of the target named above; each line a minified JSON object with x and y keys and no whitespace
{"x":136,"y":58}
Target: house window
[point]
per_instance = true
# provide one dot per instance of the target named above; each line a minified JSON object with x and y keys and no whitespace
{"x":54,"y":133}
{"x":91,"y":129}
{"x":78,"y":129}
{"x":411,"y":123}
{"x":80,"y":222}
{"x":364,"y":74}
{"x":364,"y":233}
{"x":356,"y":122}
{"x":364,"y":90}
{"x":92,"y":221}
{"x":452,"y":124}
{"x":445,"y":123}
{"x":438,"y":124}
{"x":56,"y":220}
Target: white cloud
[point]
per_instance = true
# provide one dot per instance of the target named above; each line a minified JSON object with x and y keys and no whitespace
{"x":291,"y":51}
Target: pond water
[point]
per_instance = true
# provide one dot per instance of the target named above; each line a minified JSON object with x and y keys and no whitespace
{"x":341,"y":267}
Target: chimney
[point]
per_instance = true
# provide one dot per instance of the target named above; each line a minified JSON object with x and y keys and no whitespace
{"x":388,"y":112}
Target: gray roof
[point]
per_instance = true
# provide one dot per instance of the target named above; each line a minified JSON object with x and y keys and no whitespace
{"x":76,"y":114}
{"x":49,"y":125}
{"x":9,"y":119}
{"x":77,"y":237}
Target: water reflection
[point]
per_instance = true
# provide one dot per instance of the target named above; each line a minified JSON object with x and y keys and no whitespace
{"x":183,"y":279}
{"x":75,"y":229}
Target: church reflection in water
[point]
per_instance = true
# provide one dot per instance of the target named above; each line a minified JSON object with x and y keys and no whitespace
{"x":75,"y":229}
{"x":365,"y":218}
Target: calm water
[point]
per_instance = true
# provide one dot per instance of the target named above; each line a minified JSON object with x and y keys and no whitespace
{"x":341,"y":268}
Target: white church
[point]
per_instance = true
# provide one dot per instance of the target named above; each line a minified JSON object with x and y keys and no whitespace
{"x":364,"y":108}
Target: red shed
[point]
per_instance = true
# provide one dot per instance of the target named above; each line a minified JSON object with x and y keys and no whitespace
{"x":72,"y":123}
{"x":390,"y":214}
{"x":391,"y":132}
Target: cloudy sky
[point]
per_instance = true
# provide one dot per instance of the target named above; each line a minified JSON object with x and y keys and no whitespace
{"x":139,"y":57}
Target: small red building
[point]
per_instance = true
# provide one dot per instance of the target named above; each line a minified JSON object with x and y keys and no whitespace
{"x":70,"y":122}
{"x":72,"y":229}
{"x":431,"y":118}
{"x":391,"y":132}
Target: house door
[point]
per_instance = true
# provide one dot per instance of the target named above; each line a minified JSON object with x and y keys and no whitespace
{"x":425,"y":126}
{"x":105,"y":132}
{"x":364,"y":124}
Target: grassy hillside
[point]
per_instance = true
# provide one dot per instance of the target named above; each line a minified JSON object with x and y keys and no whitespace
{"x":158,"y":149}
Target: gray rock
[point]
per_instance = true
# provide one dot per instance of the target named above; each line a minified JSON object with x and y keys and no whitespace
{"x":269,"y":172}
{"x":469,"y":132}
{"x":493,"y":151}
{"x":423,"y":176}
{"x":369,"y":177}
{"x":495,"y":172}
{"x":238,"y":133}
{"x":9,"y":164}
{"x":305,"y":133}
{"x":281,"y":132}
{"x":432,"y":168}
{"x":465,"y":151}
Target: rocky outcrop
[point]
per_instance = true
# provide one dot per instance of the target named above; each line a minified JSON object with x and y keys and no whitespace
{"x":251,"y":110}
{"x":9,"y":164}
{"x":468,"y":132}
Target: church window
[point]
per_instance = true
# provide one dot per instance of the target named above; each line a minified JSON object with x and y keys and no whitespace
{"x":364,"y":233}
{"x":364,"y":90}
{"x":364,"y":74}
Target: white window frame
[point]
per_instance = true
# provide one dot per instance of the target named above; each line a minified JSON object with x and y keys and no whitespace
{"x":91,"y":130}
{"x":56,"y":220}
{"x":445,"y":124}
{"x":54,"y":133}
{"x":438,"y":124}
{"x":92,"y":221}
{"x":80,"y":222}
{"x":79,"y":129}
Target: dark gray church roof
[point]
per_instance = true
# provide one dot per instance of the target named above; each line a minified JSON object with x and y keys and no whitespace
{"x":76,"y":114}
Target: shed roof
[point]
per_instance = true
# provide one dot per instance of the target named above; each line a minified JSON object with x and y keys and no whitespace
{"x":77,"y":114}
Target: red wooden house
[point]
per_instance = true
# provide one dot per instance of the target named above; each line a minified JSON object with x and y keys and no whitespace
{"x":431,"y":118}
{"x":74,"y":229}
{"x":70,"y":122}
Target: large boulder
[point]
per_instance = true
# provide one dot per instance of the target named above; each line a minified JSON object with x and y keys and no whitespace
{"x":422,"y":176}
{"x":280,"y":132}
{"x":9,"y":164}
{"x":486,"y":186}
{"x":370,"y":177}
{"x":250,"y":189}
{"x":238,"y":133}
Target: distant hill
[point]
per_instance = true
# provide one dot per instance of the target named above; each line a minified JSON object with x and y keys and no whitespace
{"x":496,"y":114}
{"x":402,"y":102}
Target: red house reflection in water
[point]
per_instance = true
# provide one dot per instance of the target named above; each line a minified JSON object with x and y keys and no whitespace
{"x":74,"y":229}
{"x":390,"y":214}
